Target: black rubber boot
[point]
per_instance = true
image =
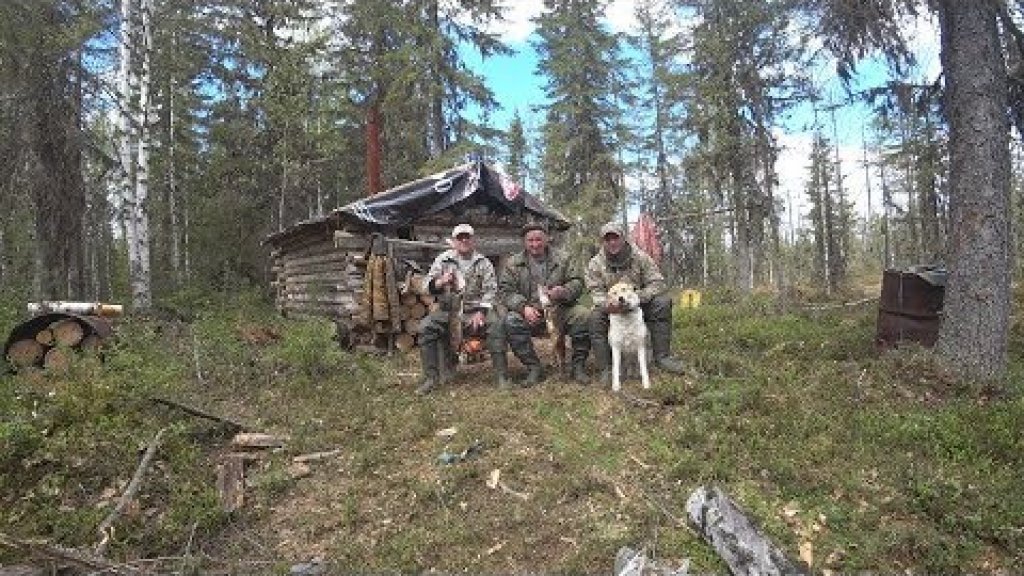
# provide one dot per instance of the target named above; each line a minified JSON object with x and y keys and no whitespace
{"x":661,"y":341}
{"x":429,"y":361}
{"x":580,"y":350}
{"x":500,"y":364}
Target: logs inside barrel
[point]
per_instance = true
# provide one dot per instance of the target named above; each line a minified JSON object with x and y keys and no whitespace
{"x":50,"y":340}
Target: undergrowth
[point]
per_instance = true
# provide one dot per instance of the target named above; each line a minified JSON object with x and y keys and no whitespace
{"x":861,"y":461}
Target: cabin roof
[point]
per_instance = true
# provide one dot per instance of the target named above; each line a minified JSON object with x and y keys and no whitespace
{"x":467,"y":186}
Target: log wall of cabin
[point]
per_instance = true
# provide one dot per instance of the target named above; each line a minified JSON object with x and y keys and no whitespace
{"x":322,"y":272}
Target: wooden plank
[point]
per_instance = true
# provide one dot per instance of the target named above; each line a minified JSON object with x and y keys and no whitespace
{"x":231,"y":482}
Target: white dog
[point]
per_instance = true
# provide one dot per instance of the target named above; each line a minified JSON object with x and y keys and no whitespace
{"x":627,"y":332}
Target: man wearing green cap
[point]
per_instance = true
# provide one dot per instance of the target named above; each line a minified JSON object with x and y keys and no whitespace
{"x":619,"y":260}
{"x":538,"y":270}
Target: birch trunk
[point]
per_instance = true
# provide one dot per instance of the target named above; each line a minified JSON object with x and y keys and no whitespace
{"x":126,"y":174}
{"x":139,"y":265}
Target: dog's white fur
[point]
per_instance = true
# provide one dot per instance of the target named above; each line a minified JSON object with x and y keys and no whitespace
{"x":627,"y":332}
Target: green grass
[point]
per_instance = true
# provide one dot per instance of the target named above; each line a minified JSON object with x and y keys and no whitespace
{"x":882,"y":463}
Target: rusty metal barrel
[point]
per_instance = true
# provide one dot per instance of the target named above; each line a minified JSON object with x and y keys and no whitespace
{"x":910,"y":306}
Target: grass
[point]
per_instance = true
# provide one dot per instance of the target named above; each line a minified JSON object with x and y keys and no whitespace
{"x":874,"y":463}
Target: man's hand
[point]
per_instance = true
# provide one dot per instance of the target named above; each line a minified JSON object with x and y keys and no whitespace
{"x":557,"y":293}
{"x":532,"y":315}
{"x":477,"y":320}
{"x":447,"y":278}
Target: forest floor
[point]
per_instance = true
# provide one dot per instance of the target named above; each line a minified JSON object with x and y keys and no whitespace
{"x":849,"y":459}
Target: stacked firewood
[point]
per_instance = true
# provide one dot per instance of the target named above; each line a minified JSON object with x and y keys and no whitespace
{"x":391,"y":307}
{"x":51,"y":340}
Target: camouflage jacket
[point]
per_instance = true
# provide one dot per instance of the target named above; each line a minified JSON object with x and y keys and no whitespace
{"x":633,"y":266}
{"x":518,"y":286}
{"x":481,"y":281}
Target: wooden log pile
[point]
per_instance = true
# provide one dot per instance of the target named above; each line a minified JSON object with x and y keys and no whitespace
{"x":51,"y":340}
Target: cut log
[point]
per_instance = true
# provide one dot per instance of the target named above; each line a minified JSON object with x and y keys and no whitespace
{"x":418,"y":285}
{"x":45,"y":337}
{"x":24,"y":353}
{"x":87,"y":308}
{"x":231,"y":482}
{"x":412,"y":326}
{"x":417,"y":311}
{"x":90,"y":343}
{"x":427,"y":299}
{"x":405,"y":342}
{"x":256,"y":440}
{"x":67,"y":332}
{"x":57,"y":358}
{"x":734,"y":537}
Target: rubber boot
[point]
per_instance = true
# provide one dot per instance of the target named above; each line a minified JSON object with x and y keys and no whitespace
{"x":602,"y":351}
{"x":661,"y":340}
{"x":500,"y":364}
{"x":522,"y":347}
{"x":534,"y":375}
{"x":603,"y":361}
{"x":429,"y":357}
{"x":580,"y":350}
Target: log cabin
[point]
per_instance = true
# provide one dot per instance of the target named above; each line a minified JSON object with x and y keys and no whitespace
{"x":361,"y":265}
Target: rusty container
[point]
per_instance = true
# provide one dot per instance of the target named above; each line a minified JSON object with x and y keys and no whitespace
{"x":910,"y":306}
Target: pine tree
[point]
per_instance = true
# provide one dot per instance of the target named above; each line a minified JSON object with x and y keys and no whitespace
{"x":580,"y":59}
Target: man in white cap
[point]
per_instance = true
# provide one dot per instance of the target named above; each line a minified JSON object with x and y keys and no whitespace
{"x":619,"y":260}
{"x":461,"y":270}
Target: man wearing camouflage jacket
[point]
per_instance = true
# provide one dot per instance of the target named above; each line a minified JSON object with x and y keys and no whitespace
{"x":467,"y":273}
{"x":620,"y":260}
{"x":525,"y":274}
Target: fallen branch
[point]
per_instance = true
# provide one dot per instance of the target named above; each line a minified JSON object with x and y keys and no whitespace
{"x":822,"y":307}
{"x":105,"y":526}
{"x":521,"y":495}
{"x":233,"y":427}
{"x":83,"y":560}
{"x":315,"y":456}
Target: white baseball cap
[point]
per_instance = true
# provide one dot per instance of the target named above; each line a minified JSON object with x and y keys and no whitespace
{"x":462,"y":229}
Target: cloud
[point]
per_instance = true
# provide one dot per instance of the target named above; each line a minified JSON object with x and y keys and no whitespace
{"x":518,"y":23}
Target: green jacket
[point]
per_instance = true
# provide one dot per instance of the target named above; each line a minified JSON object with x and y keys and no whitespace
{"x":633,"y":266}
{"x":518,"y":287}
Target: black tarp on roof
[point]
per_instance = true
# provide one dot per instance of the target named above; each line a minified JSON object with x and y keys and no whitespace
{"x":471,"y":184}
{"x":407,"y":203}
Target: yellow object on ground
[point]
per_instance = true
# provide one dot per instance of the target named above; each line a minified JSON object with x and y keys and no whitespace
{"x":689,"y":298}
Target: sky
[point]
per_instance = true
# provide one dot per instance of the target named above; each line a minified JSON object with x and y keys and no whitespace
{"x":517,"y":87}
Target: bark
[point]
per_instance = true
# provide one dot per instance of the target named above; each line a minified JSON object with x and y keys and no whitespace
{"x":977,"y":303}
{"x":172,"y":178}
{"x":140,"y":268}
